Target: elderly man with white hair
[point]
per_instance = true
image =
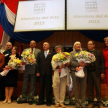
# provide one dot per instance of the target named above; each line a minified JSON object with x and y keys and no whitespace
{"x":45,"y":72}
{"x":77,"y":80}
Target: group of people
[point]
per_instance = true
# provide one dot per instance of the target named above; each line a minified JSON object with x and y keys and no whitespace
{"x":46,"y":68}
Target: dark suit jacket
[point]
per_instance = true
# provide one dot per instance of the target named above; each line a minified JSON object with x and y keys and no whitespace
{"x":99,"y":63}
{"x":44,"y":64}
{"x":7,"y":52}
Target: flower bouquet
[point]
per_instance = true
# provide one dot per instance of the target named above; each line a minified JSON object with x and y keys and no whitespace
{"x":85,"y":57}
{"x":28,"y":57}
{"x":105,"y":102}
{"x":2,"y":51}
{"x":61,"y":58}
{"x":14,"y":63}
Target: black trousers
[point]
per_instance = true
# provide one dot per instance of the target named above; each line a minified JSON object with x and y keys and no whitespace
{"x":94,"y":80}
{"x":45,"y":81}
{"x":2,"y":88}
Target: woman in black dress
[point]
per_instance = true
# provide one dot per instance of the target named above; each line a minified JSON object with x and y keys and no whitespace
{"x":10,"y":80}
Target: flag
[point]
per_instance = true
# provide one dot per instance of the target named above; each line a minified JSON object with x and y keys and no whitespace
{"x":1,"y":33}
{"x":21,"y":49}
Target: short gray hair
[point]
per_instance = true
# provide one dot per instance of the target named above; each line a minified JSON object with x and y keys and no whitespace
{"x":59,"y":46}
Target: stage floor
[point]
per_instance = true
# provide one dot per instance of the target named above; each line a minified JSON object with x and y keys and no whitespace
{"x":25,"y":105}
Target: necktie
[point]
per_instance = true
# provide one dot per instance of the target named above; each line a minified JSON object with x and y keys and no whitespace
{"x":45,"y":54}
{"x":32,"y":50}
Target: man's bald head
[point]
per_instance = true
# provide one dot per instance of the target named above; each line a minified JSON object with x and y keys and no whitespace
{"x":9,"y":46}
{"x":32,"y":44}
{"x":46,"y":46}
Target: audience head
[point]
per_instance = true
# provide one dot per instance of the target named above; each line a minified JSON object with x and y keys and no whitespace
{"x":9,"y":46}
{"x":32,"y":44}
{"x":59,"y":49}
{"x":46,"y":46}
{"x":14,"y":50}
{"x":77,"y":46}
{"x":91,"y":45}
{"x":106,"y":41}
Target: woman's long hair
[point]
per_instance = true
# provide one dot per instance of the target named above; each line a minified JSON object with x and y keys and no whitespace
{"x":77,"y":42}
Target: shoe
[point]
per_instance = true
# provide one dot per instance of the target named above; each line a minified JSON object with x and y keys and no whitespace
{"x":4,"y":101}
{"x":62,"y":105}
{"x":20,"y":101}
{"x":40,"y":103}
{"x":9,"y":102}
{"x":48,"y":104}
{"x":57,"y":105}
{"x":98,"y":105}
{"x":30,"y":102}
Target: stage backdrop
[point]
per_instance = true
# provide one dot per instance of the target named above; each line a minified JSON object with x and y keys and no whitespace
{"x":66,"y":39}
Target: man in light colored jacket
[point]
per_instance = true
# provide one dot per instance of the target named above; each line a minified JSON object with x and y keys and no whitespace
{"x":29,"y":74}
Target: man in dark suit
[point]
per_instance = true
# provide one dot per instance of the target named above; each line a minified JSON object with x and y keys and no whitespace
{"x":45,"y":72}
{"x":8,"y":48}
{"x":29,"y":74}
{"x":95,"y":71}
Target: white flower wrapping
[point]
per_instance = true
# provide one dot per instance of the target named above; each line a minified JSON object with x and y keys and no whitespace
{"x":80,"y":73}
{"x":63,"y":72}
{"x":5,"y":72}
{"x":85,"y":57}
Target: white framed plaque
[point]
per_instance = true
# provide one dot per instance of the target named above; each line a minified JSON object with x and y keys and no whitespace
{"x":87,"y":14}
{"x":40,"y":15}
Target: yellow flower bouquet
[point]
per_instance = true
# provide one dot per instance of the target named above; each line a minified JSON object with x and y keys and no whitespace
{"x":14,"y":63}
{"x":28,"y":57}
{"x":60,"y":57}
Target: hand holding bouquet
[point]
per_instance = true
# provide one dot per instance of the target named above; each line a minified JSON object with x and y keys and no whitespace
{"x":84,"y":57}
{"x":61,"y":59}
{"x":14,"y":63}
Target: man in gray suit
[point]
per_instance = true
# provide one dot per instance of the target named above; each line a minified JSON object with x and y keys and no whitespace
{"x":29,"y":74}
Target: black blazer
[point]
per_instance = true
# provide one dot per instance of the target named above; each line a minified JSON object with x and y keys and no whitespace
{"x":0,"y":76}
{"x":99,"y":63}
{"x":44,"y":64}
